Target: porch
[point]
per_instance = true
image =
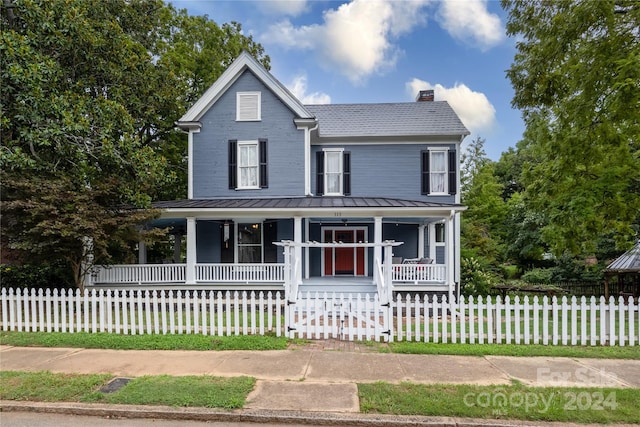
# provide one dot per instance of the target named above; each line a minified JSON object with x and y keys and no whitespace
{"x":268,"y":276}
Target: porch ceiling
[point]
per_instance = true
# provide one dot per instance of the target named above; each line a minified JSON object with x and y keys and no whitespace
{"x":305,"y":206}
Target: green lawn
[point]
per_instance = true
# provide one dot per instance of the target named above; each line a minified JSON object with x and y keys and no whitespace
{"x":581,"y":405}
{"x":516,"y":401}
{"x":196,"y":391}
{"x":271,"y":342}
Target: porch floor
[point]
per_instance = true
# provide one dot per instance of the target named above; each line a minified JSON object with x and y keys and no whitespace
{"x":338,"y":284}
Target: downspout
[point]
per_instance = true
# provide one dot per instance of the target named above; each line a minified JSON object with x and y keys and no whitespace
{"x":307,"y":159}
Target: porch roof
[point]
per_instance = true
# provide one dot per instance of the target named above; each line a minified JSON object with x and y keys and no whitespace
{"x":308,"y":206}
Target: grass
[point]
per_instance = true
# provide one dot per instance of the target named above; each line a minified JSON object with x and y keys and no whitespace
{"x":48,"y":387}
{"x":143,"y":342}
{"x":270,"y":342}
{"x":515,"y":401}
{"x":582,"y":405}
{"x":597,"y":352}
{"x":194,"y":391}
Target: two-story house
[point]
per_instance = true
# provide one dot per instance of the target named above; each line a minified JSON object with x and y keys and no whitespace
{"x":282,"y":193}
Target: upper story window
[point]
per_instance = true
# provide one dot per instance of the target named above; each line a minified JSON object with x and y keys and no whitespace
{"x":248,"y":106}
{"x":248,"y":164}
{"x":333,"y":172}
{"x":438,"y":168}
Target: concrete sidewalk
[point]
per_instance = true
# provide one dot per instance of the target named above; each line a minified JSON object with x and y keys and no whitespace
{"x":325,"y":381}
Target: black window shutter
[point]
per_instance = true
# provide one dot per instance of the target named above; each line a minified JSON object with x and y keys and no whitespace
{"x":264,"y":176}
{"x":346,"y":173}
{"x":424,"y":176}
{"x":320,"y":173}
{"x":233,"y":164}
{"x":452,"y":172}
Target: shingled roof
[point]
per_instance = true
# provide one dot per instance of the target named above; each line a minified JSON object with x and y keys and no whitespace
{"x":628,"y":262}
{"x":391,"y":119}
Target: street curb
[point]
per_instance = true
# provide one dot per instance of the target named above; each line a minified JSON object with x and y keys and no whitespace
{"x":251,"y":416}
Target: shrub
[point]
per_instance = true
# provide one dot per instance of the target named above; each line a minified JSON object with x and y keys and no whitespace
{"x":476,"y":279}
{"x":538,"y":275}
{"x":53,"y":276}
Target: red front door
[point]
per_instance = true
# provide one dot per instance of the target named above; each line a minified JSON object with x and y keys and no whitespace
{"x":344,"y":256}
{"x":346,"y":261}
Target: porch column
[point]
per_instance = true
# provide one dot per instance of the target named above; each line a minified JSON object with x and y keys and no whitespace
{"x":191,"y":251}
{"x":306,"y":255}
{"x":177,"y":248}
{"x":142,"y":253}
{"x":297,"y":238}
{"x":421,"y":228}
{"x":377,"y":239}
{"x":450,"y":254}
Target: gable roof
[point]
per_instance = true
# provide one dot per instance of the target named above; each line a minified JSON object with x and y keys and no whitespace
{"x":240,"y":65}
{"x":391,"y":119}
{"x":627,"y":262}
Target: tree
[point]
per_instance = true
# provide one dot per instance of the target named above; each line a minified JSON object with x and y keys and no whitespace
{"x":483,"y":222}
{"x":576,"y":77}
{"x":90,"y":94}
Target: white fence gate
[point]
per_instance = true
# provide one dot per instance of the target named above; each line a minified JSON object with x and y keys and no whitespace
{"x":482,"y":320}
{"x":345,"y":317}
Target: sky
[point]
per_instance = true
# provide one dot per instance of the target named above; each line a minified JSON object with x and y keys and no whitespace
{"x":363,"y":51}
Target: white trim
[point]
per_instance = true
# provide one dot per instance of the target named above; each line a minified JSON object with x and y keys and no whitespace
{"x":243,"y":62}
{"x":248,"y":106}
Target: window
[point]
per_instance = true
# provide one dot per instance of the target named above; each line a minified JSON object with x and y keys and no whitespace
{"x":249,"y":243}
{"x":333,"y":172}
{"x":439,"y":233}
{"x":248,"y":106}
{"x":438,"y":170}
{"x":248,"y":164}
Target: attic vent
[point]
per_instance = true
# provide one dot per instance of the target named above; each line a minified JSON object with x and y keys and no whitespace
{"x":425,"y":95}
{"x":248,"y":106}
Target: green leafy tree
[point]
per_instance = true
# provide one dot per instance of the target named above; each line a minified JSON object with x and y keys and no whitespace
{"x":576,"y":76}
{"x":90,"y":93}
{"x":483,"y":222}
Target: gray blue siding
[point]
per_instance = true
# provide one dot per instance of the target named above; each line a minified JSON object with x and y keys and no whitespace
{"x":219,"y":125}
{"x":384,"y":170}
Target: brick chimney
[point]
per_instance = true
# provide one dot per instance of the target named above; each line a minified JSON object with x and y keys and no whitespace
{"x":425,"y":96}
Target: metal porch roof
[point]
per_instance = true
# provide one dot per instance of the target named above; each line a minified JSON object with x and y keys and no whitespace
{"x":301,"y":203}
{"x":628,"y":262}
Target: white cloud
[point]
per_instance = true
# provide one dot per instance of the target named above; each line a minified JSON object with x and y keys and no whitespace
{"x":474,"y":109}
{"x":470,"y":21}
{"x":356,"y":39}
{"x":299,"y":88}
{"x":282,"y":7}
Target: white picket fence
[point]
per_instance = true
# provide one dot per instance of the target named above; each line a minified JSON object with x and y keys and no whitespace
{"x":142,"y":312}
{"x":489,"y":320}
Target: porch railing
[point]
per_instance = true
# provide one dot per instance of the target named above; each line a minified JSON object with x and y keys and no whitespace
{"x":240,"y":273}
{"x":176,"y":273}
{"x":418,"y":273}
{"x":139,"y":273}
